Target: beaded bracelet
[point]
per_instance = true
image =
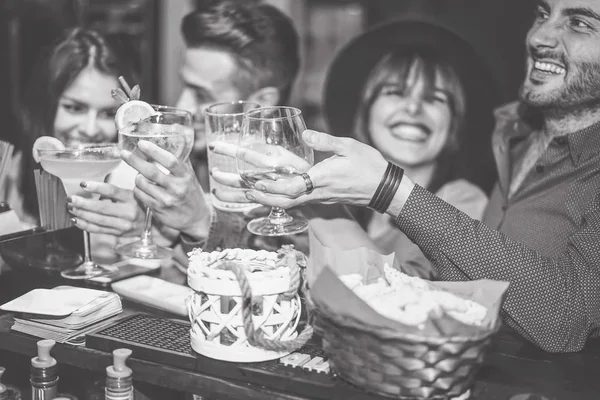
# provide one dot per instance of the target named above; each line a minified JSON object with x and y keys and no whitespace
{"x":388,"y":186}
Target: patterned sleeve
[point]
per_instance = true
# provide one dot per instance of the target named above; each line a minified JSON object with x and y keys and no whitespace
{"x":553,"y":302}
{"x":465,"y":196}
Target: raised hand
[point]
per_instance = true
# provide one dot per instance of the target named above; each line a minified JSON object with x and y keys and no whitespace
{"x":170,"y":188}
{"x":277,"y":156}
{"x":116,"y":213}
{"x":350,"y":176}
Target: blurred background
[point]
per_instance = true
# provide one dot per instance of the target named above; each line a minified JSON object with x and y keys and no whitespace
{"x":151,"y":29}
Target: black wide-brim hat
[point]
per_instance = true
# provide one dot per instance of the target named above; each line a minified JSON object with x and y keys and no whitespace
{"x":475,"y":61}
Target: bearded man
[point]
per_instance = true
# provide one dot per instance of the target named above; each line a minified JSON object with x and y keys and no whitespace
{"x":547,"y":151}
{"x":541,"y":228}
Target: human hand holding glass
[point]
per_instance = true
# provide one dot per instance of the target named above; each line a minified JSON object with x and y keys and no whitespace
{"x":271,"y":147}
{"x":177,"y":199}
{"x":73,"y":165}
{"x":351,"y":176}
{"x":223,"y":123}
{"x":170,"y":129}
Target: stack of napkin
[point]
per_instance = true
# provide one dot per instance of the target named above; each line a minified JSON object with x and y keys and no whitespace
{"x":64,"y":313}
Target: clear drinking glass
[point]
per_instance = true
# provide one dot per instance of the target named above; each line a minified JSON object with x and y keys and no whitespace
{"x":271,"y":147}
{"x":170,"y":129}
{"x":92,"y":162}
{"x":224,"y":123}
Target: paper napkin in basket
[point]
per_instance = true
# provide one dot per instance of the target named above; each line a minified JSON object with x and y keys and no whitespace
{"x":366,"y":262}
{"x":327,"y":263}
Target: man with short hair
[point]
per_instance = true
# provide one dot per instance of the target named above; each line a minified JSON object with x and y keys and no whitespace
{"x":236,"y":50}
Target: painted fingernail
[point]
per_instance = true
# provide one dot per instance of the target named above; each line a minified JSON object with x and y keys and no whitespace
{"x":213,"y":191}
{"x":260,"y":187}
{"x":70,"y":207}
{"x":74,"y":221}
{"x":211,"y":146}
{"x":83,"y":184}
{"x":250,"y":197}
{"x":69,"y":200}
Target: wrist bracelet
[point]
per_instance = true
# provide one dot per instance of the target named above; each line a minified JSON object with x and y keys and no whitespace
{"x":377,"y":195}
{"x":397,"y":174}
{"x":388,"y":186}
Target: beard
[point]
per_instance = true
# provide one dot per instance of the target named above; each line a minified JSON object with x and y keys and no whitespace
{"x":579,"y":91}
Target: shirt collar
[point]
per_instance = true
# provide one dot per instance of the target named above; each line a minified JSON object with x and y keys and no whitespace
{"x":582,"y":143}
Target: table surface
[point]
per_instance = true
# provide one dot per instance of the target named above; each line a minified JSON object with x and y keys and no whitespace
{"x":512,"y":367}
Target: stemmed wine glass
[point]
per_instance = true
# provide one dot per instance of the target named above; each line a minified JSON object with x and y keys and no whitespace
{"x":271,"y":147}
{"x":90,"y":162}
{"x":170,"y":129}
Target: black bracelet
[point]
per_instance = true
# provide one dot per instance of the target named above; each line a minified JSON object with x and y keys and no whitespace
{"x":397,"y":174}
{"x":388,"y":186}
{"x":377,"y":195}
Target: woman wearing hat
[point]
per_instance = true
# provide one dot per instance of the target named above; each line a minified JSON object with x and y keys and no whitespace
{"x":408,"y":101}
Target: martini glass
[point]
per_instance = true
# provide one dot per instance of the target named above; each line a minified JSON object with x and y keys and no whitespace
{"x":91,"y":162}
{"x":170,"y":129}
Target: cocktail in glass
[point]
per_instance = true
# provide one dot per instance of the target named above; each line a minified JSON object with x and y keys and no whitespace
{"x":72,"y":166}
{"x":271,"y":148}
{"x":224,"y":124}
{"x":170,"y":129}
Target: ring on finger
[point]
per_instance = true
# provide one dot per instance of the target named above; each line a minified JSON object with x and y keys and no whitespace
{"x":308,"y":182}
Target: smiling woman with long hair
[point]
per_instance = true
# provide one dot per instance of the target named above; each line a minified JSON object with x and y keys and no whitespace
{"x":68,"y":96}
{"x":411,"y":97}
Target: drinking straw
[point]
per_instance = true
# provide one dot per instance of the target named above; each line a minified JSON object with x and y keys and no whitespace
{"x":6,"y":151}
{"x":39,"y":188}
{"x":125,"y":86}
{"x":63,"y":219}
{"x":51,"y":201}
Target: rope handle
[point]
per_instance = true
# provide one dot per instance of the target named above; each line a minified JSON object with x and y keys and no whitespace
{"x":258,"y":339}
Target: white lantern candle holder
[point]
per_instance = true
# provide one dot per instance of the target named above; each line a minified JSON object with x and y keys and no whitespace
{"x":222,"y":323}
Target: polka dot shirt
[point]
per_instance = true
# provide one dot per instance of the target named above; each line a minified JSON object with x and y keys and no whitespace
{"x":552,"y":301}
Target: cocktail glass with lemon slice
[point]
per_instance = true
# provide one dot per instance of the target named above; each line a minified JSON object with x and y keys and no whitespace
{"x":168,"y":128}
{"x":91,"y":162}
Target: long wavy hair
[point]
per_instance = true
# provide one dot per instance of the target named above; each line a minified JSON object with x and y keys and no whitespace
{"x":59,"y":65}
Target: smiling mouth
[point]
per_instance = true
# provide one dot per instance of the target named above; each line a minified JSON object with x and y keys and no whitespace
{"x":410,"y":132}
{"x":548,"y":68}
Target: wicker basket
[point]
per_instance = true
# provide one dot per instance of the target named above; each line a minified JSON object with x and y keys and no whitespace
{"x":398,"y":364}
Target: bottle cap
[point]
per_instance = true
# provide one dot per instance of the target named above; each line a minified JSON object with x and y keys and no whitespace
{"x":119,"y":369}
{"x":44,"y":359}
{"x":3,"y":389}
